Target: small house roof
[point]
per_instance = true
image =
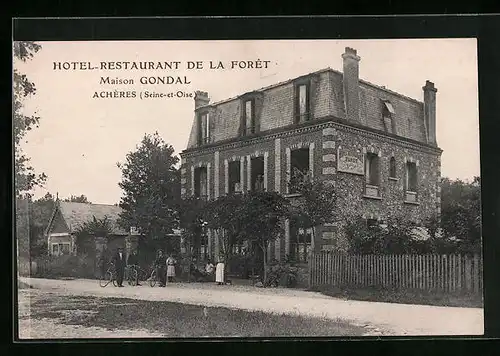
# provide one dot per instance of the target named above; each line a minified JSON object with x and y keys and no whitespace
{"x":76,"y":214}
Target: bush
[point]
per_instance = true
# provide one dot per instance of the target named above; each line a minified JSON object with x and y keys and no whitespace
{"x":283,"y":275}
{"x":65,"y":266}
{"x":400,"y":236}
{"x":241,"y":265}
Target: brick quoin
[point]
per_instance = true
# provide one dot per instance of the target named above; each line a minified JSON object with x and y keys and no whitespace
{"x":346,"y":112}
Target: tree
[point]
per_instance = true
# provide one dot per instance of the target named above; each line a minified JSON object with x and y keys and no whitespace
{"x":223,"y":215}
{"x":92,"y":228}
{"x":191,"y":220}
{"x":151,"y":186}
{"x":261,"y":219}
{"x":461,"y":212}
{"x":41,"y":212}
{"x":78,"y":199}
{"x":316,"y":204}
{"x":25,"y":177}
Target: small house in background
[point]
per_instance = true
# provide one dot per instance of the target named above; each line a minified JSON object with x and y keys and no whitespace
{"x":67,"y":217}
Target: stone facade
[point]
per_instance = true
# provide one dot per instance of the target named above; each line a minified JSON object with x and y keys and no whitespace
{"x":347,"y":121}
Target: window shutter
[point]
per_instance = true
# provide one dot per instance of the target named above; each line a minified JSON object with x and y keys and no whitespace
{"x":258,"y":112}
{"x":378,"y":170}
{"x":367,"y":169}
{"x":313,"y":87}
{"x":242,"y":119}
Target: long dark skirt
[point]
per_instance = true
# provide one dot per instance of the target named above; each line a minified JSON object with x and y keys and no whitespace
{"x":161,"y":273}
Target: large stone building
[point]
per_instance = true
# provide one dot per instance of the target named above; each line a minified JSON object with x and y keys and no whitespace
{"x":378,"y":148}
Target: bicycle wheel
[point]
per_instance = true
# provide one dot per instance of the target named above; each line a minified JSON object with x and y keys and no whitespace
{"x":132,"y":277}
{"x":115,"y":283}
{"x":152,"y":279}
{"x":106,"y":279}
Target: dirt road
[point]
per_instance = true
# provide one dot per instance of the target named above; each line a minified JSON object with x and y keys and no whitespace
{"x":382,"y":318}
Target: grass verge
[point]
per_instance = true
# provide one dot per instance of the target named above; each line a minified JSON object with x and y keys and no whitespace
{"x":374,"y":294}
{"x":182,"y":320}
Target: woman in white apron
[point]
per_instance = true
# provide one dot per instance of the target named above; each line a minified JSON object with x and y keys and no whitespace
{"x":170,"y":269}
{"x":219,"y":272}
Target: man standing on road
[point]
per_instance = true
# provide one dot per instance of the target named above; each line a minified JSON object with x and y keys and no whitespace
{"x":132,"y":263}
{"x":160,"y":264}
{"x":119,"y":261}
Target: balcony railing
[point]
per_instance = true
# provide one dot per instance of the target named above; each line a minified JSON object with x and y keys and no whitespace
{"x":411,"y":197}
{"x":203,"y":140}
{"x":372,"y":191}
{"x":299,"y":118}
{"x":250,"y":130}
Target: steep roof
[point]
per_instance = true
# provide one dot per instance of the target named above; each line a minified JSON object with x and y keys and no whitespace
{"x":75,"y":214}
{"x":408,"y":119}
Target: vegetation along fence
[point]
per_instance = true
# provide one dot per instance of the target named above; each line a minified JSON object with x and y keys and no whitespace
{"x":448,"y":273}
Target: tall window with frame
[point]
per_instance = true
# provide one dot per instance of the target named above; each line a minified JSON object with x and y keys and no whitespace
{"x":200,"y":182}
{"x":392,"y":168}
{"x":372,"y":175}
{"x":204,"y":246}
{"x":387,"y":114}
{"x":300,"y":242}
{"x":372,"y":169}
{"x":302,"y":103}
{"x":411,"y":177}
{"x":249,"y":117}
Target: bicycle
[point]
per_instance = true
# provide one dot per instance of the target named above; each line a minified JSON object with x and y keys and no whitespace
{"x":153,"y":278}
{"x":108,"y":277}
{"x":136,"y":274}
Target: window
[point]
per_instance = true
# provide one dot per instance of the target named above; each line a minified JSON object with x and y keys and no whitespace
{"x":234,"y":177}
{"x":387,"y":114}
{"x":302,"y":104}
{"x":59,"y":249}
{"x":372,"y":169}
{"x":204,"y":129}
{"x":200,"y":182}
{"x":64,"y":248}
{"x":238,"y":249}
{"x":372,"y":223}
{"x":411,"y":176}
{"x":392,"y":168}
{"x":257,"y":174}
{"x":204,"y":247}
{"x":300,"y":242}
{"x":249,"y":117}
{"x":299,"y":165}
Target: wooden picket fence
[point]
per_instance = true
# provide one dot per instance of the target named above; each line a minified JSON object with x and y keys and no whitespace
{"x":448,"y":273}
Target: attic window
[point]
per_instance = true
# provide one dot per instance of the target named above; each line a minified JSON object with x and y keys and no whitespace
{"x":302,"y":102}
{"x":389,"y":107}
{"x":387,"y":114}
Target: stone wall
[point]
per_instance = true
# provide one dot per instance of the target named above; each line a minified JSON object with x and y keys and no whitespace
{"x":350,"y":188}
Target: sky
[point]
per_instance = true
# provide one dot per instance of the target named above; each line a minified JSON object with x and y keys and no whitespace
{"x":81,"y":139}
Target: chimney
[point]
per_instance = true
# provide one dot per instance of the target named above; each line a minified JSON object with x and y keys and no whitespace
{"x":351,"y":84}
{"x":430,"y":111}
{"x":201,"y":99}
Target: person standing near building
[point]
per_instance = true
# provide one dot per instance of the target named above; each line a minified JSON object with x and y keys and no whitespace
{"x":159,"y":264}
{"x":219,"y":272}
{"x":170,"y":268}
{"x":119,"y":261}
